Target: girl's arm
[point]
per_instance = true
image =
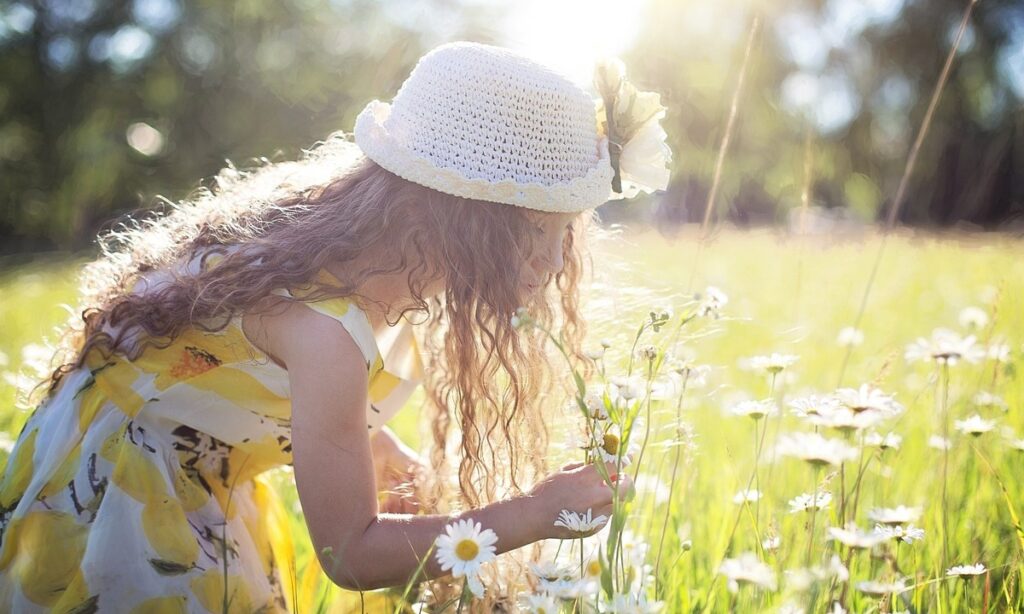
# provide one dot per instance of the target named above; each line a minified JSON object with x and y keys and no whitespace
{"x":359,"y":547}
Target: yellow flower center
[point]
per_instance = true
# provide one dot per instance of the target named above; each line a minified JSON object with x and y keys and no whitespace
{"x":467,"y":549}
{"x":611,"y":443}
{"x":594,"y":568}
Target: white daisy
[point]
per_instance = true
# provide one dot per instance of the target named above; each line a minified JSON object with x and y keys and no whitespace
{"x":754,"y":409}
{"x":939,"y":443}
{"x":610,"y":447}
{"x":595,"y":402}
{"x":999,"y":352}
{"x":807,"y":501}
{"x":746,"y":496}
{"x":747,"y":568}
{"x":815,"y":449}
{"x":879,"y":589}
{"x":868,"y":398}
{"x":986,"y":399}
{"x":541,"y":604}
{"x":908,"y":534}
{"x":849,"y":337}
{"x":853,"y":537}
{"x":580,"y":523}
{"x":813,"y":406}
{"x":945,"y":348}
{"x":966,"y":570}
{"x":771,"y":364}
{"x":1016,"y":444}
{"x":975,"y":425}
{"x":973,"y":318}
{"x":464,"y":547}
{"x":895,"y":515}
{"x":889,"y":441}
{"x":623,"y":603}
{"x":711,"y":303}
{"x":771,"y":543}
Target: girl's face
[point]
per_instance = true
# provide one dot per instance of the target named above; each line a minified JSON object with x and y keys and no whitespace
{"x":546,"y":256}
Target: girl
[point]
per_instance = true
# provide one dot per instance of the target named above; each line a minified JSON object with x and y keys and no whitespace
{"x":267,"y":323}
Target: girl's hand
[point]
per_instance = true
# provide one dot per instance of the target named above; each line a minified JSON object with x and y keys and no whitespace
{"x":398,"y":468}
{"x":577,"y":488}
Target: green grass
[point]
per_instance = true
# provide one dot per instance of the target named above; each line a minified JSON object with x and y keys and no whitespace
{"x":790,"y":297}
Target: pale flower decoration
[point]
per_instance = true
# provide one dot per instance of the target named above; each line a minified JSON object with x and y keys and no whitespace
{"x":630,"y":121}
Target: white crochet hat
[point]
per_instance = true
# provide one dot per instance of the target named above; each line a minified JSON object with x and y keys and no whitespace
{"x":482,"y":122}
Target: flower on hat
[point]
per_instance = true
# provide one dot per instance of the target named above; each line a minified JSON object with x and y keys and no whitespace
{"x":630,"y":120}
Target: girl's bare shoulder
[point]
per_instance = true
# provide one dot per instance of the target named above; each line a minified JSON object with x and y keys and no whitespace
{"x":289,"y":332}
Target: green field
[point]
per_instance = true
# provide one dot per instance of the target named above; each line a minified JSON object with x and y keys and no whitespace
{"x":791,"y":297}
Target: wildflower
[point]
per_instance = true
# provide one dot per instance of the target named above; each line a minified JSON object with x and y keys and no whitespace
{"x":846,"y":420}
{"x":879,"y":589}
{"x":807,"y":501}
{"x":755,"y":409}
{"x":594,"y":354}
{"x":623,"y":603}
{"x":945,"y":348}
{"x":802,"y":579}
{"x":1017,"y":444}
{"x":813,"y":406}
{"x":895,"y":515}
{"x":694,"y":375}
{"x":849,"y":337}
{"x":746,"y":496}
{"x":605,"y":344}
{"x":747,"y":568}
{"x":966,"y":570}
{"x":868,"y":398}
{"x":596,"y":408}
{"x":628,"y":388}
{"x":611,"y":447}
{"x":550,"y":571}
{"x":771,"y":543}
{"x":580,"y":523}
{"x":815,"y":449}
{"x":883,"y":442}
{"x":998,"y":352}
{"x":939,"y":443}
{"x":647,"y":352}
{"x":853,"y":537}
{"x":986,"y":399}
{"x":908,"y":534}
{"x":975,"y":426}
{"x":464,"y":547}
{"x":973,"y":318}
{"x":541,"y":604}
{"x":773,"y":364}
{"x":659,"y":317}
{"x":711,"y":303}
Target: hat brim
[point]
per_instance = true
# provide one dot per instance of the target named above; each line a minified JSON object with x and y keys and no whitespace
{"x":580,"y":194}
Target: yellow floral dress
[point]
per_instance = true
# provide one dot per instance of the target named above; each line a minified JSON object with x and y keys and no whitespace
{"x":136,"y":486}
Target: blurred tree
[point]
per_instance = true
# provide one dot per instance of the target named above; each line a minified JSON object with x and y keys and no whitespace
{"x":858,"y":74}
{"x":105,"y":103}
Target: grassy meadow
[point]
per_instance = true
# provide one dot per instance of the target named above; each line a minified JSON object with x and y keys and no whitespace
{"x":691,"y":542}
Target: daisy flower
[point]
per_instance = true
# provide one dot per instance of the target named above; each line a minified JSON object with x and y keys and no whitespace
{"x":939,"y":443}
{"x":868,"y":398}
{"x":813,"y":406}
{"x":895,"y":515}
{"x":883,"y":442}
{"x":623,"y":603}
{"x":464,"y":547}
{"x":975,"y":425}
{"x":999,"y":352}
{"x":711,"y":303}
{"x":878,"y":589}
{"x":807,"y":501}
{"x":541,"y":604}
{"x":853,"y":537}
{"x":771,"y":543}
{"x":849,"y":337}
{"x":908,"y":534}
{"x":580,"y":523}
{"x":973,"y":318}
{"x":755,"y":409}
{"x":945,"y":348}
{"x":772,"y":364}
{"x":746,"y":496}
{"x":966,"y":570}
{"x":747,"y":568}
{"x":815,"y":449}
{"x":987,"y":399}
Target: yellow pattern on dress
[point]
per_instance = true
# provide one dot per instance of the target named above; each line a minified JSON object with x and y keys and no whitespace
{"x":146,"y":473}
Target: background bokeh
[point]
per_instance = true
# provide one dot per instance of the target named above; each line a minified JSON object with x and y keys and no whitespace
{"x":108,"y":106}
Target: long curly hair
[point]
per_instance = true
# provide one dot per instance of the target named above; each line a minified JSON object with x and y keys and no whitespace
{"x":278,"y":224}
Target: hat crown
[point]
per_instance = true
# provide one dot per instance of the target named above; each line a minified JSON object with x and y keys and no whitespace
{"x":495,"y":115}
{"x":483,"y":122}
